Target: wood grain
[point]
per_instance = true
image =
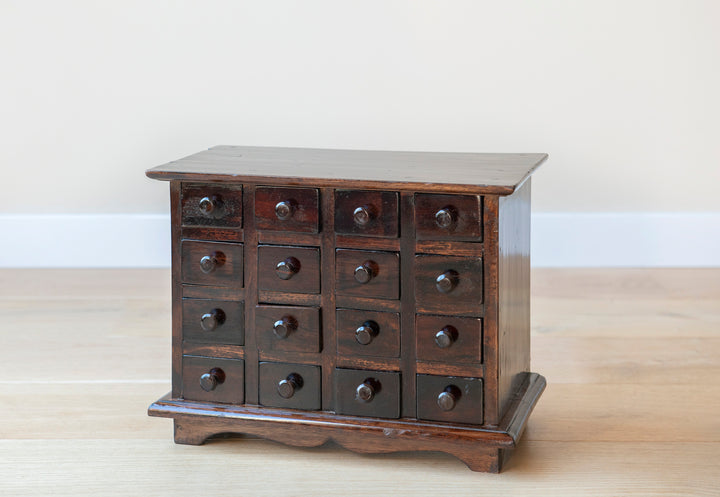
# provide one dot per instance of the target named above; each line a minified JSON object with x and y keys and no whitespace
{"x":385,"y":170}
{"x":632,"y":357}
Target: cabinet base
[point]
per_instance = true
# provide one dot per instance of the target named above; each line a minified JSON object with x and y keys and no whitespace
{"x":480,"y":448}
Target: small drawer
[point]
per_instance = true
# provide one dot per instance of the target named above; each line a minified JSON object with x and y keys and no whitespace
{"x":448,"y":398}
{"x":286,"y":209}
{"x":449,"y":284}
{"x":448,"y":339}
{"x":289,"y":269}
{"x":448,"y":217}
{"x":217,"y":206}
{"x":368,"y":333}
{"x":213,"y":380}
{"x":367,"y":393}
{"x":364,"y":273}
{"x":212,"y":263}
{"x":287,"y":328}
{"x":213,"y":321}
{"x":294,"y":386}
{"x":366,"y":213}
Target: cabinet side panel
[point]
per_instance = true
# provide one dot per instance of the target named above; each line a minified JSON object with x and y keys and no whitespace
{"x":175,"y":234}
{"x":490,"y":298}
{"x":513,"y":292}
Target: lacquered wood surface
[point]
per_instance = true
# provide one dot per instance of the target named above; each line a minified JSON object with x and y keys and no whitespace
{"x":604,"y":426}
{"x":404,"y":171}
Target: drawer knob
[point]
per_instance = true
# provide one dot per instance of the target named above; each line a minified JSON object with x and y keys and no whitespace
{"x":365,"y":272}
{"x":365,"y":392}
{"x":446,"y":337}
{"x":287,"y":268}
{"x":210,"y":380}
{"x":211,"y":320}
{"x":211,"y":206}
{"x":284,"y":210}
{"x":286,"y":388}
{"x":363,"y":215}
{"x":365,"y":333}
{"x":446,"y":282}
{"x":284,"y":326}
{"x":446,"y":217}
{"x":448,"y":398}
{"x":209,"y":263}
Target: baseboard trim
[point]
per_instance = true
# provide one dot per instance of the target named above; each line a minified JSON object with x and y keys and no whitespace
{"x":558,"y":240}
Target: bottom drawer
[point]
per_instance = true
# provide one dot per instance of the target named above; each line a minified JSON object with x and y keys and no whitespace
{"x":295,"y":386}
{"x":213,"y":380}
{"x":367,"y":393}
{"x":448,"y":398}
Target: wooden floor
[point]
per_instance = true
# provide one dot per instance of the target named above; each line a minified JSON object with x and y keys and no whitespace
{"x":632,"y":359}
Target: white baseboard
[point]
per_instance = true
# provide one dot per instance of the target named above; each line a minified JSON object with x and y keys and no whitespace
{"x":558,"y":240}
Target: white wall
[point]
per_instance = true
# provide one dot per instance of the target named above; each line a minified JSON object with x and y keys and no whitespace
{"x":623,"y":95}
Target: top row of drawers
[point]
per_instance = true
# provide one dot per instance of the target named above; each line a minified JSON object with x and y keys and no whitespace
{"x":357,"y":212}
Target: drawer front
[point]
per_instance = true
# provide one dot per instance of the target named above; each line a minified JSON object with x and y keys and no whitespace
{"x":448,"y":398}
{"x":448,"y":217}
{"x":212,"y":263}
{"x":287,"y":209}
{"x":212,"y":205}
{"x":294,"y":386}
{"x":213,"y":321}
{"x":364,"y":273}
{"x":213,"y":380}
{"x":289,"y":269}
{"x":367,"y":393}
{"x":368,"y":333}
{"x":449,"y":284}
{"x":448,"y":339}
{"x":288,"y":328}
{"x":366,"y":213}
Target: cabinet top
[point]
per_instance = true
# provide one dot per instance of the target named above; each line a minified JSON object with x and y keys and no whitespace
{"x":419,"y":171}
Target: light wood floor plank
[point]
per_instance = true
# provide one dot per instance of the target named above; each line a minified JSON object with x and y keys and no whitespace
{"x":258,"y":468}
{"x":632,"y":406}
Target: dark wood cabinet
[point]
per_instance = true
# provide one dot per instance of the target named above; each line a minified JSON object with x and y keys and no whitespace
{"x":378,"y":299}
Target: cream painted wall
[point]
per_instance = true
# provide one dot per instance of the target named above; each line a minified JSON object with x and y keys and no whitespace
{"x":622,"y":94}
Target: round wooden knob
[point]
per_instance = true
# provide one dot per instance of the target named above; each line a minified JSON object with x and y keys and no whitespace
{"x":365,"y":392}
{"x":365,"y":333}
{"x":286,"y":388}
{"x":363,"y":215}
{"x":446,"y":282}
{"x":211,"y":206}
{"x":209,"y":263}
{"x":210,"y":380}
{"x":284,"y":210}
{"x":284,"y":326}
{"x":448,"y":398}
{"x":287,"y":268}
{"x":365,"y":272}
{"x":446,"y":337}
{"x":211,"y":320}
{"x":445,"y":217}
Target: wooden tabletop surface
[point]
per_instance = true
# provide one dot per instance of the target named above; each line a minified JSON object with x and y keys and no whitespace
{"x":415,"y":171}
{"x":632,"y":406}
